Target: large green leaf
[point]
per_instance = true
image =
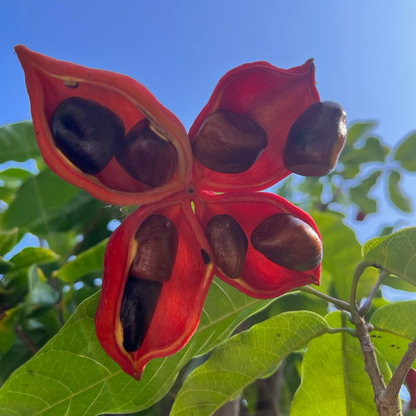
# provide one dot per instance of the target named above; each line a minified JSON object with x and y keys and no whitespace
{"x":13,"y":176}
{"x":395,"y":327}
{"x":359,"y":194}
{"x":334,"y":381}
{"x":243,"y":358}
{"x":88,"y":261}
{"x":40,"y":200}
{"x":73,"y":376}
{"x":17,"y":142}
{"x":395,"y":253}
{"x":396,"y":194}
{"x":406,"y":153}
{"x":342,"y":252}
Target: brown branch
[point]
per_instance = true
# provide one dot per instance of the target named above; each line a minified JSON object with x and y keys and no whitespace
{"x":21,"y":334}
{"x":389,"y":397}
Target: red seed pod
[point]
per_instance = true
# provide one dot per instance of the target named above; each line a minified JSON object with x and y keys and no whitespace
{"x":159,"y":262}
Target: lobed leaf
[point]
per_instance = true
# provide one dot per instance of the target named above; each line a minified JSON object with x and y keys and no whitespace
{"x":395,"y":253}
{"x":242,"y":359}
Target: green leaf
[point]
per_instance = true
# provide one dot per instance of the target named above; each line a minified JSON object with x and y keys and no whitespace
{"x":334,"y":381}
{"x":41,"y":294}
{"x":14,"y":175}
{"x":406,"y":153}
{"x":5,"y":265}
{"x":73,"y":374}
{"x":372,"y":151}
{"x":396,"y":194}
{"x":357,"y":130}
{"x":8,"y":239}
{"x":33,"y":255}
{"x":243,"y":358}
{"x":17,"y":142}
{"x":342,"y":252}
{"x":88,"y":261}
{"x":395,"y":253}
{"x":395,"y":327}
{"x":39,"y":200}
{"x":359,"y":194}
{"x":8,"y":320}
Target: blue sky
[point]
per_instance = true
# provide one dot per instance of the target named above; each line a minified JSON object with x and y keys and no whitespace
{"x":364,"y":53}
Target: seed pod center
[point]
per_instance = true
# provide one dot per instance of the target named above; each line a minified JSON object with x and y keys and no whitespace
{"x":228,"y":142}
{"x":87,"y":133}
{"x":157,"y":245}
{"x":229,"y":244}
{"x":288,"y":242}
{"x":146,"y":157}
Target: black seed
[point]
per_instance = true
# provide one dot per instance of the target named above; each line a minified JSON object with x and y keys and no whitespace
{"x":157,"y":245}
{"x":205,"y":257}
{"x":139,"y":303}
{"x":229,"y":244}
{"x":316,"y":139}
{"x":288,"y":241}
{"x":146,"y":157}
{"x":87,"y":133}
{"x":228,"y":142}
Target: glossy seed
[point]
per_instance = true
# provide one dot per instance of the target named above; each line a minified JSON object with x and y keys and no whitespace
{"x":146,"y":157}
{"x":157,"y":245}
{"x":138,"y":306}
{"x":228,"y":243}
{"x":205,"y":257}
{"x":87,"y":133}
{"x":316,"y":139}
{"x":228,"y":142}
{"x":288,"y":242}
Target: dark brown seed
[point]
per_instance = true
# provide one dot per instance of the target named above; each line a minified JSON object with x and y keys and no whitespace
{"x":288,"y":242}
{"x":228,"y":243}
{"x":146,"y":157}
{"x":87,"y":133}
{"x":157,"y":245}
{"x":316,"y":139}
{"x":137,"y":309}
{"x":205,"y":257}
{"x":228,"y":142}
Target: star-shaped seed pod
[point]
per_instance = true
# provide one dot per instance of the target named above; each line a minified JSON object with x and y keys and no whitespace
{"x":200,"y":211}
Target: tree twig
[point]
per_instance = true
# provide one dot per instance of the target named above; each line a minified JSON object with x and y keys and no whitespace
{"x":21,"y":334}
{"x":338,"y":303}
{"x":389,"y":397}
{"x":367,"y":304}
{"x":359,"y":270}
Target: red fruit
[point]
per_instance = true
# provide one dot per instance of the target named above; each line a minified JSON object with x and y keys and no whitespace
{"x":160,"y":261}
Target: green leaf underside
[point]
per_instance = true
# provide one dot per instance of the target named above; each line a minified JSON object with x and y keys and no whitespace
{"x":73,"y":376}
{"x":17,"y":142}
{"x":372,"y":151}
{"x":357,"y":130}
{"x":40,"y":200}
{"x":334,"y":381}
{"x":396,"y":194}
{"x":395,"y":327}
{"x":32,"y":255}
{"x":406,"y":153}
{"x":395,"y":253}
{"x":342,"y":252}
{"x":242,"y":359}
{"x":359,"y":194}
{"x":88,"y":261}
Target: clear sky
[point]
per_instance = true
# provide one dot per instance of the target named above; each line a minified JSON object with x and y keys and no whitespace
{"x":364,"y":52}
